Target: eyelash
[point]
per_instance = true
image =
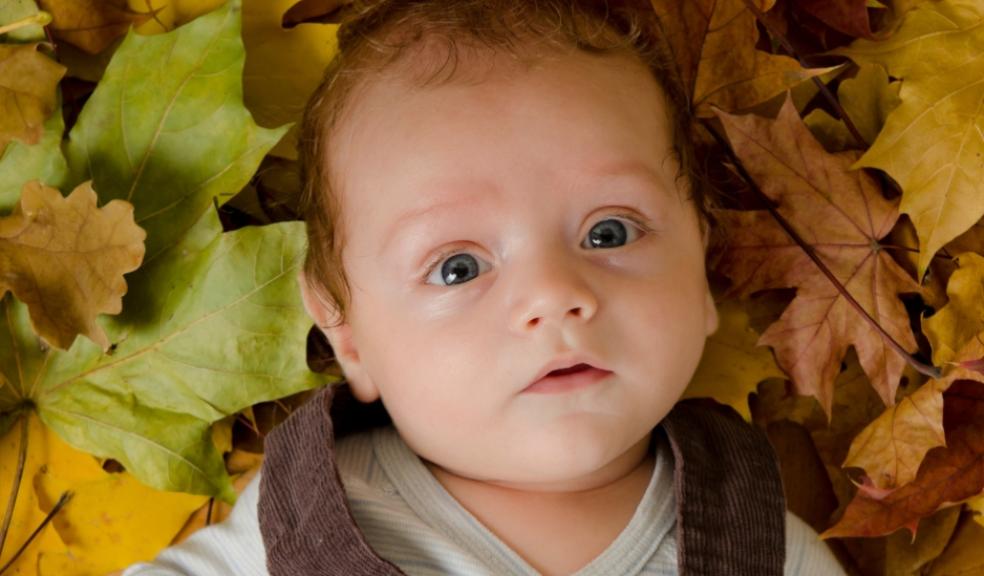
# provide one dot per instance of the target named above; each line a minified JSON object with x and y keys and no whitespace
{"x":437,"y":259}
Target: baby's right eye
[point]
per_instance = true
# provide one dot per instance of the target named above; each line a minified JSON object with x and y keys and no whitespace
{"x":458,"y":269}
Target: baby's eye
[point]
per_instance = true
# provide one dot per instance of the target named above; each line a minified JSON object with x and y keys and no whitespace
{"x":608,"y":231}
{"x":457,"y":269}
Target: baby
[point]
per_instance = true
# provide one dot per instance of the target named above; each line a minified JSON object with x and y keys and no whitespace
{"x":507,"y":251}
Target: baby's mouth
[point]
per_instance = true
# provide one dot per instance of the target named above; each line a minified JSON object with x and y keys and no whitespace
{"x":568,"y":379}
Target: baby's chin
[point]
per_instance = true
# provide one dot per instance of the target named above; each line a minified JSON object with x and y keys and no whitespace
{"x":543,"y":468}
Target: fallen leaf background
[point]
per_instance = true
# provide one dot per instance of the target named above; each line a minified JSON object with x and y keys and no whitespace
{"x":850,"y":130}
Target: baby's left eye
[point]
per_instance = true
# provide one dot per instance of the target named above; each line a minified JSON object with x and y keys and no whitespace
{"x":607,"y":231}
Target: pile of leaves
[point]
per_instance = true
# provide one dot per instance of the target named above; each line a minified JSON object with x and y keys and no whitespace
{"x":151,"y":330}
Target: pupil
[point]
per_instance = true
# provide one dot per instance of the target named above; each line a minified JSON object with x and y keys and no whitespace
{"x":457,"y":267}
{"x":606,"y":231}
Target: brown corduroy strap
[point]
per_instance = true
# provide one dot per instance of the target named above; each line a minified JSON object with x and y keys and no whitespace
{"x":730,"y":503}
{"x":730,"y":508}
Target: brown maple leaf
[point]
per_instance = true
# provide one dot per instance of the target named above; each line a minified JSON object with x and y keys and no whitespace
{"x":948,"y":475}
{"x":712,"y":43}
{"x":92,"y":25}
{"x":842,"y":215}
{"x":28,"y":84}
{"x":65,"y":258}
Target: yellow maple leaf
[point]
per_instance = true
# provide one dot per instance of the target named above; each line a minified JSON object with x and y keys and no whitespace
{"x":933,"y":143}
{"x":732,"y":364}
{"x":111,"y":520}
{"x":65,"y":258}
{"x":963,"y":316}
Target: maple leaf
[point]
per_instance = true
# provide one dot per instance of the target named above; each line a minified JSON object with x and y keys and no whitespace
{"x":867,"y":98}
{"x":933,"y":143}
{"x":65,"y":258}
{"x":712,"y":43}
{"x":43,"y":161}
{"x":70,"y":545}
{"x":962,"y":319}
{"x":16,"y":11}
{"x":842,"y":215}
{"x":731,"y":364}
{"x":91,"y":25}
{"x":948,"y":475}
{"x":213,"y":323}
{"x":166,"y":100}
{"x":28,"y":81}
{"x":847,"y":16}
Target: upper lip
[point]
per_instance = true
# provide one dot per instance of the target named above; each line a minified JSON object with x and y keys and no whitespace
{"x":566,"y":361}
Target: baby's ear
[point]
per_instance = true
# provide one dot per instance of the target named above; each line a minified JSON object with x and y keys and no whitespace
{"x":339,"y":334}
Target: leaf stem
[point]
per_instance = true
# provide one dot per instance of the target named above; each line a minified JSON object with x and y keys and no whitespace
{"x":65,"y":497}
{"x":41,"y":18}
{"x":827,"y":94}
{"x":21,"y":458}
{"x":928,"y":370}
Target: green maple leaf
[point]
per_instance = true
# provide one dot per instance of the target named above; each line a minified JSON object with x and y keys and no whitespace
{"x":217,"y":326}
{"x":166,"y":128}
{"x":933,"y":143}
{"x":44,"y":161}
{"x":212,"y":323}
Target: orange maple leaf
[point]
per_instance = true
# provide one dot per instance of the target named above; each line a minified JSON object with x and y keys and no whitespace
{"x":840,"y":213}
{"x":948,"y":475}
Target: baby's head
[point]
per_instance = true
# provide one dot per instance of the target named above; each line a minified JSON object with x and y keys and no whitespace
{"x":491,"y":186}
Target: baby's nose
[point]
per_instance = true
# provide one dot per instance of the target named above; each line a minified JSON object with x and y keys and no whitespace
{"x":551,"y":290}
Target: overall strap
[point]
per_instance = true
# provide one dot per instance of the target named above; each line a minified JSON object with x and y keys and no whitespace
{"x":730,"y":503}
{"x":304,"y":516}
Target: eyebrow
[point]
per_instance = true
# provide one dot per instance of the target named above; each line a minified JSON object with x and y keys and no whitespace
{"x":625,"y":169}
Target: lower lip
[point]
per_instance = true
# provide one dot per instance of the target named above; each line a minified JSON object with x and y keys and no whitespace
{"x":566,"y":383}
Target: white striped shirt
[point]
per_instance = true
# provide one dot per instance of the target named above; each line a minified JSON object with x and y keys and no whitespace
{"x":411,"y":520}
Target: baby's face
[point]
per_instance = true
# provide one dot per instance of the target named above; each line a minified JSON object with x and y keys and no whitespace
{"x":532,"y":181}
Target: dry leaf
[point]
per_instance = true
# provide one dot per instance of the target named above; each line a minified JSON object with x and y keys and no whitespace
{"x":732,"y":365}
{"x":713,"y":46}
{"x":91,"y":25}
{"x":28,"y":82}
{"x":840,"y":213}
{"x":97,"y":530}
{"x":962,"y":556}
{"x":891,"y":448}
{"x":933,"y":143}
{"x":65,"y":258}
{"x":962,"y":319}
{"x":948,"y":475}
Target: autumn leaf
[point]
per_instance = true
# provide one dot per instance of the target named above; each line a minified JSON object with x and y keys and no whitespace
{"x":28,"y":81}
{"x":712,"y":43}
{"x":948,"y":475}
{"x":43,"y":161}
{"x":962,"y":319}
{"x":211,"y":325}
{"x":92,"y":25}
{"x":166,"y":101}
{"x":15,"y":11}
{"x":98,"y":530}
{"x":216,"y":326}
{"x":867,"y":98}
{"x":277,"y":83}
{"x":962,"y":556}
{"x":847,"y":16}
{"x":842,"y":215}
{"x":732,"y":365}
{"x":933,"y":143}
{"x":891,"y":448}
{"x":65,"y":258}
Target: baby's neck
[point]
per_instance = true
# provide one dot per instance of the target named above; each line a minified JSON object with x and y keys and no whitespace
{"x":559,"y":531}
